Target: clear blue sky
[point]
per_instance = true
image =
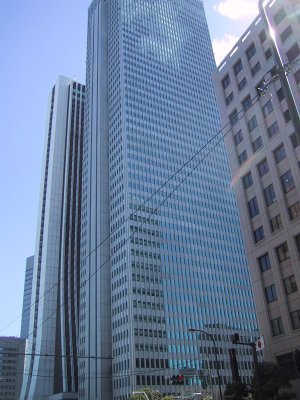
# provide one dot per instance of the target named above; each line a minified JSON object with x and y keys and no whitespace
{"x":40,"y":40}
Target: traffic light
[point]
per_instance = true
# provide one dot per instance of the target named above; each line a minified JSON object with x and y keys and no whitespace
{"x":177,"y":380}
{"x":297,"y":360}
{"x":235,"y":338}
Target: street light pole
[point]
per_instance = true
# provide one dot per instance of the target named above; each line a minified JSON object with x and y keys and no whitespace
{"x":216,"y":356}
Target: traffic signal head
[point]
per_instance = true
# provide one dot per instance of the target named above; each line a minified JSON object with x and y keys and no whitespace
{"x":177,"y":380}
{"x":235,"y":338}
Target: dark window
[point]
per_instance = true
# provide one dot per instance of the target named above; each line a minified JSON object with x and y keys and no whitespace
{"x":268,"y":54}
{"x":283,"y":252}
{"x":247,"y":103}
{"x":287,"y":181}
{"x":257,"y":144}
{"x":238,"y":67}
{"x":247,"y":180}
{"x":279,"y":16}
{"x":273,"y":129}
{"x":269,"y":194}
{"x":274,"y":71}
{"x":253,"y":207}
{"x":252,"y":123}
{"x":258,"y":234}
{"x":242,"y":157}
{"x":293,"y":53}
{"x":251,"y":51}
{"x":270,"y":293}
{"x":297,"y":77}
{"x":225,"y":81}
{"x":242,"y":84}
{"x":275,"y":223}
{"x":264,"y":262}
{"x":238,"y":137}
{"x":287,"y":116}
{"x":262,"y":36}
{"x":263,"y":168}
{"x":279,"y":154}
{"x":267,"y":108}
{"x":286,"y":33}
{"x":280,"y":94}
{"x":276,"y":326}
{"x":229,"y":98}
{"x":295,"y":318}
{"x":294,"y":211}
{"x":256,"y":68}
{"x":233,"y":117}
{"x":294,"y":140}
{"x":290,"y":284}
{"x":297,"y":241}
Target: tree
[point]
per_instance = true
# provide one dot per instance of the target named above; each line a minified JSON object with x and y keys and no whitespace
{"x":151,"y":394}
{"x":236,"y":391}
{"x":272,"y":380}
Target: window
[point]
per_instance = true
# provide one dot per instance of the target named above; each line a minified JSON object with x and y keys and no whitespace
{"x":262,"y":36}
{"x":258,"y":234}
{"x":294,"y":140}
{"x":293,"y":52}
{"x":269,"y":194}
{"x":233,"y":117}
{"x":268,"y":54}
{"x":280,"y":94}
{"x":247,"y":103}
{"x":252,"y":123}
{"x":297,"y":241}
{"x":225,"y":81}
{"x":283,"y":252}
{"x":276,"y":326}
{"x":250,"y":51}
{"x":297,"y":77}
{"x":273,"y":129}
{"x":290,"y":284}
{"x":286,"y":33}
{"x":242,"y":157}
{"x":263,"y":168}
{"x":264,"y":262}
{"x":229,"y":98}
{"x":270,"y":293}
{"x":247,"y":180}
{"x":242,"y":84}
{"x":279,"y":154}
{"x":253,"y":207}
{"x":238,"y":67}
{"x":256,"y":68}
{"x":294,"y":211}
{"x":267,"y":108}
{"x":295,"y":318}
{"x":275,"y":223}
{"x":279,"y":16}
{"x":238,"y":137}
{"x":257,"y":144}
{"x":287,"y":181}
{"x":287,"y":116}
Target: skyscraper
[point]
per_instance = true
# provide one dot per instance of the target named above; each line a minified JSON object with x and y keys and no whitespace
{"x":258,"y":92}
{"x":161,"y":252}
{"x":55,"y":291}
{"x":27,"y":297}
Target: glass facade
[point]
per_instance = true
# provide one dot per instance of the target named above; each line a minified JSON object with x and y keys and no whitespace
{"x":174,"y":259}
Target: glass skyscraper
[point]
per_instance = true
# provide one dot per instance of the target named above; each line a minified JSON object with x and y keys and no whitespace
{"x":161,"y":245}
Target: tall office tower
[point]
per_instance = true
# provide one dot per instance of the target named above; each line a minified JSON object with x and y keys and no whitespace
{"x":12,"y":351}
{"x":27,"y":297}
{"x":153,"y":268}
{"x":55,"y":292}
{"x":258,"y":92}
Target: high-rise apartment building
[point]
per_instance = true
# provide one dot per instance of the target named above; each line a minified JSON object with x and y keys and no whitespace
{"x":258,"y":93}
{"x":160,"y":252}
{"x":27,"y":297}
{"x":55,"y":291}
{"x":12,"y":352}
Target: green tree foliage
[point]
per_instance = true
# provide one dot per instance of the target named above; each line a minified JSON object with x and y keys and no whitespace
{"x":236,"y":391}
{"x":273,"y":380}
{"x":151,"y":394}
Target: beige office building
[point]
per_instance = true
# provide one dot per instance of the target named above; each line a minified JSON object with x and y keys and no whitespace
{"x":257,"y":87}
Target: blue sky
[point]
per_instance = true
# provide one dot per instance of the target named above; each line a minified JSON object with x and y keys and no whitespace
{"x":40,"y":40}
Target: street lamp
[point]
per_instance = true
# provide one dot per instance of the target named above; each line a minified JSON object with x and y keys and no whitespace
{"x":216,"y":356}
